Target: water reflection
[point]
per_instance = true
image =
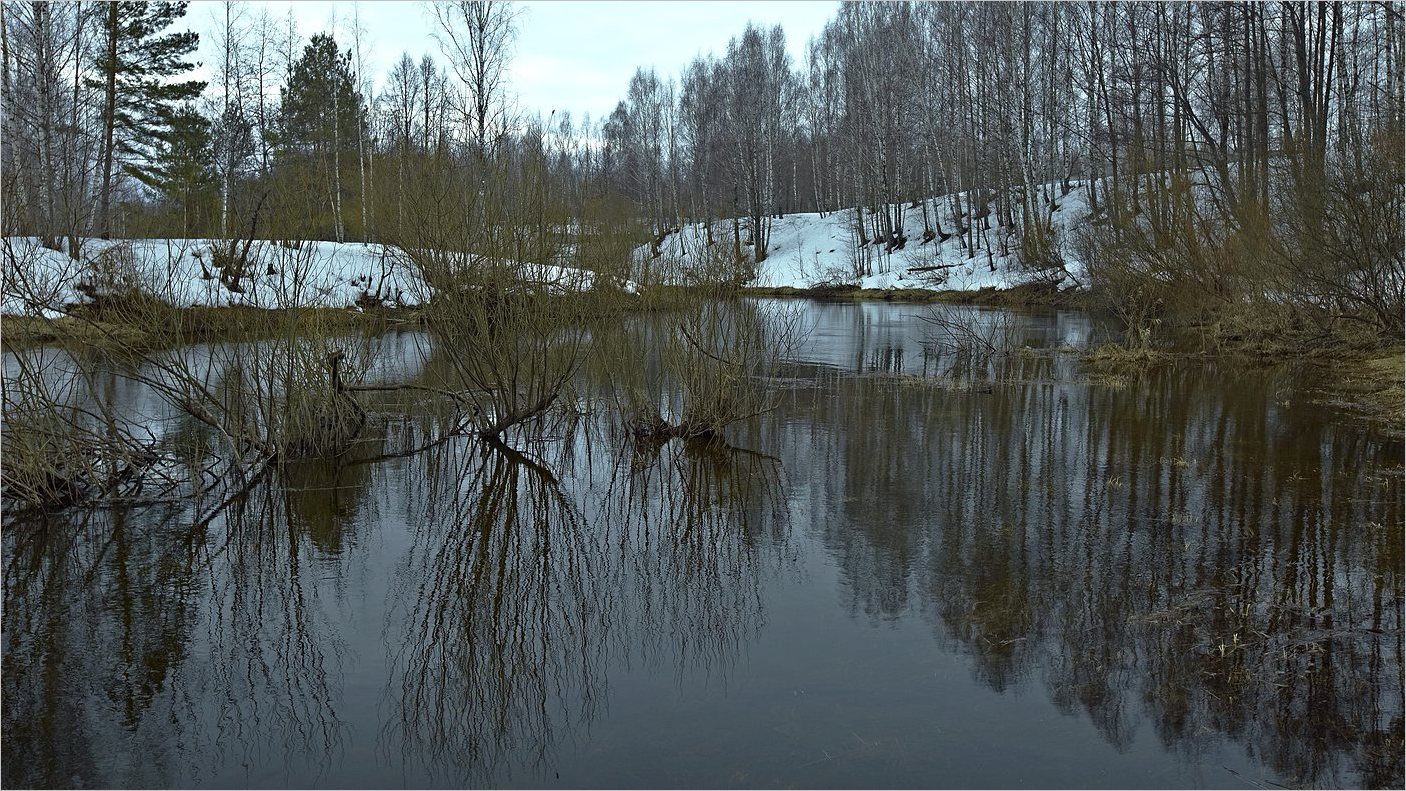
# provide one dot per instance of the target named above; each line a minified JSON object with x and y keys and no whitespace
{"x":695,"y":528}
{"x":97,"y":617}
{"x":270,"y":684}
{"x":138,"y":639}
{"x":1184,"y":558}
{"x":503,"y":609}
{"x":325,"y":497}
{"x":519,"y":591}
{"x":1150,"y":554}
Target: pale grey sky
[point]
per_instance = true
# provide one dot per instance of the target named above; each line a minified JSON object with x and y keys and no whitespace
{"x":575,"y":56}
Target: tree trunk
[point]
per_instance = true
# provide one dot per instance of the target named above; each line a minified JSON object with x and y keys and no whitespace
{"x":109,"y":122}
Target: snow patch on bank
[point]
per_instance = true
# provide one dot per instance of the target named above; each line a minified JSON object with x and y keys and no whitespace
{"x":812,"y":250}
{"x":187,"y":273}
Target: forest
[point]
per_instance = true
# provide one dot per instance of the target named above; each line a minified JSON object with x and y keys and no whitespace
{"x":1241,"y":163}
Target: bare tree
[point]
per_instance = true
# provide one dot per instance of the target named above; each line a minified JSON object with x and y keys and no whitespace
{"x":52,"y":129}
{"x":477,"y":38}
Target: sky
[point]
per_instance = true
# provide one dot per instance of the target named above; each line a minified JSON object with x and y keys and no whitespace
{"x":575,"y":56}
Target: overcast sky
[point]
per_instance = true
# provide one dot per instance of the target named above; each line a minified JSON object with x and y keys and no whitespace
{"x":575,"y":56}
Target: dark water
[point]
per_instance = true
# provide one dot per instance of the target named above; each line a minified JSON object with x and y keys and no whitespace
{"x":922,"y":569}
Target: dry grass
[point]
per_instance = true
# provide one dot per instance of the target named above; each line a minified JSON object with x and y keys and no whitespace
{"x":1372,"y":387}
{"x":1115,"y":358}
{"x":113,"y":329}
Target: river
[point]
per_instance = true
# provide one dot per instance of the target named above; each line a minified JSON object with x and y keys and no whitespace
{"x":935,"y":562}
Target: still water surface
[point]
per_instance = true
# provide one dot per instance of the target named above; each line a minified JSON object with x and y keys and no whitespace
{"x":919,"y":570}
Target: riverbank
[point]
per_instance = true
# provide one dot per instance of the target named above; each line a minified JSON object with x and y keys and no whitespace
{"x":1366,"y":383}
{"x":1020,"y":296}
{"x":142,"y":323}
{"x":188,"y":325}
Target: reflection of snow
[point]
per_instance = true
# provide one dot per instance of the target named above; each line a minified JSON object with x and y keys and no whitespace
{"x":894,"y":338}
{"x":139,"y":410}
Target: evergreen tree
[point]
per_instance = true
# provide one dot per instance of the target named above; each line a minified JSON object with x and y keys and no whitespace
{"x":185,"y":175}
{"x":321,"y":119}
{"x":134,"y":67}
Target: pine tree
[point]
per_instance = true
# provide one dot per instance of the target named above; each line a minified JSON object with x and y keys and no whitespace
{"x":185,"y":175}
{"x":135,"y":64}
{"x":323,"y":115}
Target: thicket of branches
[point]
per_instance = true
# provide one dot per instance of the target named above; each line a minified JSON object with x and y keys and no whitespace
{"x":466,"y":206}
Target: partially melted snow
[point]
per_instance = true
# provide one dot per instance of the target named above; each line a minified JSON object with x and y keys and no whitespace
{"x":39,"y":281}
{"x":814,"y":250}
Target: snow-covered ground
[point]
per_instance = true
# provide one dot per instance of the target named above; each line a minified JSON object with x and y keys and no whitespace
{"x":185,"y":273}
{"x":806,"y":251}
{"x":811,"y":250}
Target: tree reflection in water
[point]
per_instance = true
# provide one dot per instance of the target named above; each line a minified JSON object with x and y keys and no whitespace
{"x":1147,"y":553}
{"x":1176,"y":556}
{"x":96,"y":616}
{"x":272,"y":566}
{"x":521,"y":589}
{"x":124,"y":626}
{"x":695,"y":526}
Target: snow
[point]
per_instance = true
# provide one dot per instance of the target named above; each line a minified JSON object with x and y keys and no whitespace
{"x":812,"y":250}
{"x":806,"y":251}
{"x":184,"y":272}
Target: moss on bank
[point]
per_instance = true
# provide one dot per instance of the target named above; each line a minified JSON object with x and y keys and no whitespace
{"x":148,"y":323}
{"x":153,"y":323}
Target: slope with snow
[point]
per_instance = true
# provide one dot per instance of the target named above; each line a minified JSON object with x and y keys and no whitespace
{"x":813,"y":250}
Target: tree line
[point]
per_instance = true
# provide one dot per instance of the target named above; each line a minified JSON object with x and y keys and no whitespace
{"x":106,"y":134}
{"x":1227,"y":150}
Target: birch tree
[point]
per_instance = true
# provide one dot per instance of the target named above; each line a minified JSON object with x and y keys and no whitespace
{"x":477,"y":38}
